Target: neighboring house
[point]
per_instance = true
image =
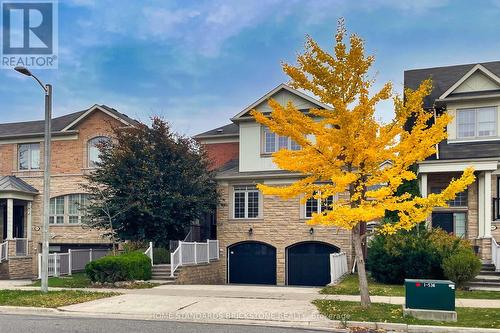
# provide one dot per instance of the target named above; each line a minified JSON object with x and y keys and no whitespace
{"x":265,"y":239}
{"x":74,"y":152}
{"x":471,"y":94}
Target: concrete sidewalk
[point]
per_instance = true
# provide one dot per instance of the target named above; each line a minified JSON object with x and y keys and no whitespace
{"x":234,"y":304}
{"x":250,"y":292}
{"x":282,"y":306}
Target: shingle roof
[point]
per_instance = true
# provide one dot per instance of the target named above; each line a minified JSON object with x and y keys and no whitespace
{"x":14,"y":184}
{"x":443,"y":78}
{"x":58,"y":124}
{"x":229,"y":129}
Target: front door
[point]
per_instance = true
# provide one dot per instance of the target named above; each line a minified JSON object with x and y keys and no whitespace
{"x":443,"y":221}
{"x":18,"y":221}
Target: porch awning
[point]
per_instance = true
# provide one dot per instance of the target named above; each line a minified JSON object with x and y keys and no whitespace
{"x":13,"y":187}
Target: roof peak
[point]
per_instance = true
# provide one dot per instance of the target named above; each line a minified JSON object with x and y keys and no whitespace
{"x":455,"y":65}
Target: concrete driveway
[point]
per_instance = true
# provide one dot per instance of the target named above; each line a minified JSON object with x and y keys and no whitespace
{"x":290,"y":306}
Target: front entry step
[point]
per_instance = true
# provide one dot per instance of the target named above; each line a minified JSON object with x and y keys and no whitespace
{"x":162,"y":273}
{"x":488,"y":279}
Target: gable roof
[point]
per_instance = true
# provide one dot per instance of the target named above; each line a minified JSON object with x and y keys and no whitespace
{"x":445,"y":78}
{"x":14,"y":184}
{"x":473,"y":70}
{"x":274,"y":91}
{"x":59,"y":124}
{"x":228,"y":130}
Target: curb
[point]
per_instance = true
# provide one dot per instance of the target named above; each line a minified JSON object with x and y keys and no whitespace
{"x":310,"y":325}
{"x":418,"y":328}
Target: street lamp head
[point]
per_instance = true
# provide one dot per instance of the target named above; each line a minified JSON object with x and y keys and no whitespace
{"x":23,"y":70}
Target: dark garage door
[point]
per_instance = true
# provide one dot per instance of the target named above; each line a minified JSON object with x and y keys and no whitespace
{"x":252,"y":262}
{"x":308,"y":263}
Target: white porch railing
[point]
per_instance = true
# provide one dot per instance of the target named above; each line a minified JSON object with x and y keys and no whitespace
{"x":4,"y":251}
{"x":193,"y":253}
{"x":338,"y":266}
{"x":149,"y":252}
{"x":72,"y":261}
{"x":495,"y":254}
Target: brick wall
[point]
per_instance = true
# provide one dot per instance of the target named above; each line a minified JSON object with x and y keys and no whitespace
{"x":220,"y":153}
{"x":201,"y":274}
{"x":69,"y":165}
{"x":280,"y":226}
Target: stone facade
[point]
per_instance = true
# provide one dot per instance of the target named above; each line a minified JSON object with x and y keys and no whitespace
{"x":69,"y":164}
{"x":281,"y":226}
{"x":211,"y":273}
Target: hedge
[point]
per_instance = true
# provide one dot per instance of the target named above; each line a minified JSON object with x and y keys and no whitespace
{"x":431,"y":254}
{"x":124,"y":267}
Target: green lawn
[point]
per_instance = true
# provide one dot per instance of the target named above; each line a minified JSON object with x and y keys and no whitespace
{"x":379,"y":312}
{"x":349,"y":286}
{"x":52,"y":299}
{"x":80,"y":280}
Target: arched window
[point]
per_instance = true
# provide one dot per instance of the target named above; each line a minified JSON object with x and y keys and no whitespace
{"x":93,"y":150}
{"x":67,"y":209}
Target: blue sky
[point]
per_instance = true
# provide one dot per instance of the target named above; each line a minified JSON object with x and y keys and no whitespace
{"x":197,"y":63}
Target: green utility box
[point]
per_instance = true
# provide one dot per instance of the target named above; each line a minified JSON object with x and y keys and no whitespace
{"x":430,"y":294}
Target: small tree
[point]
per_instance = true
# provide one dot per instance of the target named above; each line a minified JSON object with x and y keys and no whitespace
{"x":150,"y":185}
{"x":343,"y":148}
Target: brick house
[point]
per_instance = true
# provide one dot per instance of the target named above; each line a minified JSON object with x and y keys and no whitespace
{"x":471,"y":94}
{"x":74,"y":152}
{"x":264,"y":239}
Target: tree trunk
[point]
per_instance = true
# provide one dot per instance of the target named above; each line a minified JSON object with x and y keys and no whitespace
{"x":360,"y":262}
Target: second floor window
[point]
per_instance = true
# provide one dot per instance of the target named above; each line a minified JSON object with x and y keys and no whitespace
{"x":29,"y":156}
{"x":246,"y":202}
{"x":476,"y":123}
{"x":317,"y":205}
{"x":274,"y":142}
{"x":93,"y":150}
{"x":459,"y":201}
{"x":67,"y":208}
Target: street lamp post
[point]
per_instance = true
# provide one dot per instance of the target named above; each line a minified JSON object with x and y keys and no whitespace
{"x":47,"y":88}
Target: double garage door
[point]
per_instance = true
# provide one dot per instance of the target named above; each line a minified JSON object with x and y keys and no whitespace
{"x":307,"y":264}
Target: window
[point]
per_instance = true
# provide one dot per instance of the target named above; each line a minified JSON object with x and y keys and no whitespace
{"x":93,"y":150}
{"x":459,"y":201}
{"x":460,"y":224}
{"x":67,"y":209}
{"x":477,"y":123}
{"x":246,"y":202}
{"x":274,"y":142}
{"x":29,"y":156}
{"x":317,"y":205}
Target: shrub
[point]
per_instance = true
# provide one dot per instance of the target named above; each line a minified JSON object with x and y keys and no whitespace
{"x":391,"y":259}
{"x":161,"y":255}
{"x":446,"y":244}
{"x":461,"y":267}
{"x":127,"y":266}
{"x":427,"y":254}
{"x":384,"y":268}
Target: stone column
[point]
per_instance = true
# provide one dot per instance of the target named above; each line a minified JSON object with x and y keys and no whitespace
{"x":28,"y":220}
{"x":10,"y":218}
{"x":487,"y":204}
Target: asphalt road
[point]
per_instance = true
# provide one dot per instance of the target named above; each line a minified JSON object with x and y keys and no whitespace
{"x":43,"y":324}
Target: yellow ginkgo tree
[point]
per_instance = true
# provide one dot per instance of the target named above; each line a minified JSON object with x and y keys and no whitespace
{"x":343,"y":148}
